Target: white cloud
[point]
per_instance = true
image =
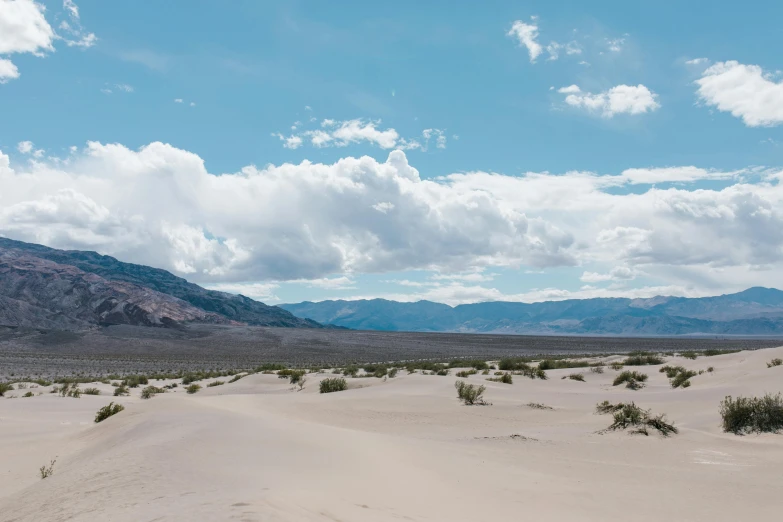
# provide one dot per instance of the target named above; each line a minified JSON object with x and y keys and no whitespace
{"x":621,"y":99}
{"x":8,"y":71}
{"x":615,"y":44}
{"x":25,"y":147}
{"x":178,"y":100}
{"x":526,"y":35}
{"x":743,"y":90}
{"x":160,"y":206}
{"x":78,"y":36}
{"x":192,"y":104}
{"x":333,"y":133}
{"x":328,"y":283}
{"x":259,"y":291}
{"x":697,"y":61}
{"x":570,"y":48}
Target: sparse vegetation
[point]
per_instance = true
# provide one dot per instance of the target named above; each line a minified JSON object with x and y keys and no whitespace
{"x":107,"y":411}
{"x":215,"y":383}
{"x":616,"y":366}
{"x":332,"y":384}
{"x":91,"y":391}
{"x":151,"y":391}
{"x":235,"y":378}
{"x":632,"y":379}
{"x":28,"y":394}
{"x":631,"y":416}
{"x":775,"y":362}
{"x":514,"y":364}
{"x":752,"y":414}
{"x":467,"y":373}
{"x":464,"y":363}
{"x":539,"y":406}
{"x":598,"y":368}
{"x":351,"y":371}
{"x":679,"y":376}
{"x":557,"y":364}
{"x":642,"y":359}
{"x":47,"y":471}
{"x":193,"y":388}
{"x":470,"y":394}
{"x":505,"y":379}
{"x":119,"y":391}
{"x":393,"y":373}
{"x":577,"y":377}
{"x":134,"y":381}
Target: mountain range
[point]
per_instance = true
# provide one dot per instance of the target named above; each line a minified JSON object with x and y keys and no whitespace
{"x":756,"y":311}
{"x":43,"y":287}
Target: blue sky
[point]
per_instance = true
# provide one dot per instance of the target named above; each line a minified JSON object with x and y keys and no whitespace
{"x":522,"y":120}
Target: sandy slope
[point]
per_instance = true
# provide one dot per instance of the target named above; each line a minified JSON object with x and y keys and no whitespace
{"x":400,"y":449}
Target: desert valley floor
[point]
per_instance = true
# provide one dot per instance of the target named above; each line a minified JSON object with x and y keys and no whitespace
{"x":401,"y":448}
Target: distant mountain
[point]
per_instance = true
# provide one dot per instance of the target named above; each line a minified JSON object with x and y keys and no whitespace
{"x":756,"y":311}
{"x":48,"y":288}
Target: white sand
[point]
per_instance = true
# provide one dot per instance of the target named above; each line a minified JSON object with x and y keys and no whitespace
{"x":400,"y":449}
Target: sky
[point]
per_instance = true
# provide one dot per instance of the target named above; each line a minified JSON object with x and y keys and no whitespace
{"x":452,"y":151}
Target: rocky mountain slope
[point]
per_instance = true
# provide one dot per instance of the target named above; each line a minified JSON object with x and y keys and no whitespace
{"x":48,"y":288}
{"x":756,"y":311}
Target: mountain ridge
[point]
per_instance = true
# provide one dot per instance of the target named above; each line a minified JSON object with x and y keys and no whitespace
{"x":755,"y":311}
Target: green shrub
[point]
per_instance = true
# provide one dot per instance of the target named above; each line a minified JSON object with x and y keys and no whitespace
{"x":235,"y":378}
{"x":193,"y":388}
{"x":120,"y":391}
{"x":710,"y":369}
{"x":752,"y":414}
{"x":151,"y":391}
{"x":538,"y":406}
{"x":631,"y":416}
{"x":577,"y":377}
{"x":775,"y":362}
{"x":476,"y":365}
{"x":442,"y":372}
{"x":470,"y":394}
{"x":689,"y":355}
{"x":351,"y":370}
{"x":557,"y":364}
{"x":215,"y":383}
{"x":642,"y":359}
{"x":681,"y":379}
{"x":514,"y":363}
{"x":505,"y":379}
{"x":28,"y":394}
{"x":5,"y":387}
{"x":107,"y":411}
{"x":598,"y":368}
{"x":133,"y":381}
{"x":267,"y":367}
{"x":91,"y":391}
{"x":467,"y":373}
{"x":633,"y":380}
{"x":332,"y":384}
{"x":671,"y":371}
{"x":616,"y":366}
{"x":393,"y":373}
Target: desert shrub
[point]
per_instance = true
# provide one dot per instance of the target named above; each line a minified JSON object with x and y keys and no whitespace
{"x":295,"y":377}
{"x":215,"y":383}
{"x":47,"y":471}
{"x":393,"y":373}
{"x":21,"y":386}
{"x":235,"y":378}
{"x":514,"y":363}
{"x":616,"y":366}
{"x":752,"y":414}
{"x":505,"y":379}
{"x":107,"y":411}
{"x":598,"y":368}
{"x":351,"y":370}
{"x":681,"y":379}
{"x":671,"y":371}
{"x":121,"y":390}
{"x":193,"y":388}
{"x":631,"y":416}
{"x":710,"y":369}
{"x":538,"y":406}
{"x":268,"y":367}
{"x":475,"y":364}
{"x":171,"y":386}
{"x":485,"y":372}
{"x":577,"y":377}
{"x":134,"y":381}
{"x":689,"y":355}
{"x":442,"y":372}
{"x":332,"y":384}
{"x":91,"y":391}
{"x":534,"y":373}
{"x":28,"y":394}
{"x":151,"y":391}
{"x":633,"y":380}
{"x":470,"y":394}
{"x":775,"y":362}
{"x":642,"y":359}
{"x":467,"y":373}
{"x":5,"y":387}
{"x":556,"y":364}
{"x":68,"y":389}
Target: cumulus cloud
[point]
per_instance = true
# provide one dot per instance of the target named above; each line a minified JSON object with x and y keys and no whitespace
{"x":526,"y":35}
{"x":8,"y":71}
{"x":615,"y":45}
{"x":305,"y":222}
{"x":745,"y":91}
{"x":621,"y":99}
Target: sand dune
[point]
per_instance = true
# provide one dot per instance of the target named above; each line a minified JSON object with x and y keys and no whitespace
{"x":399,"y":449}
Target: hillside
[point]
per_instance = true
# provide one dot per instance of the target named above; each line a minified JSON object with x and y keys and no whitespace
{"x":47,"y":288}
